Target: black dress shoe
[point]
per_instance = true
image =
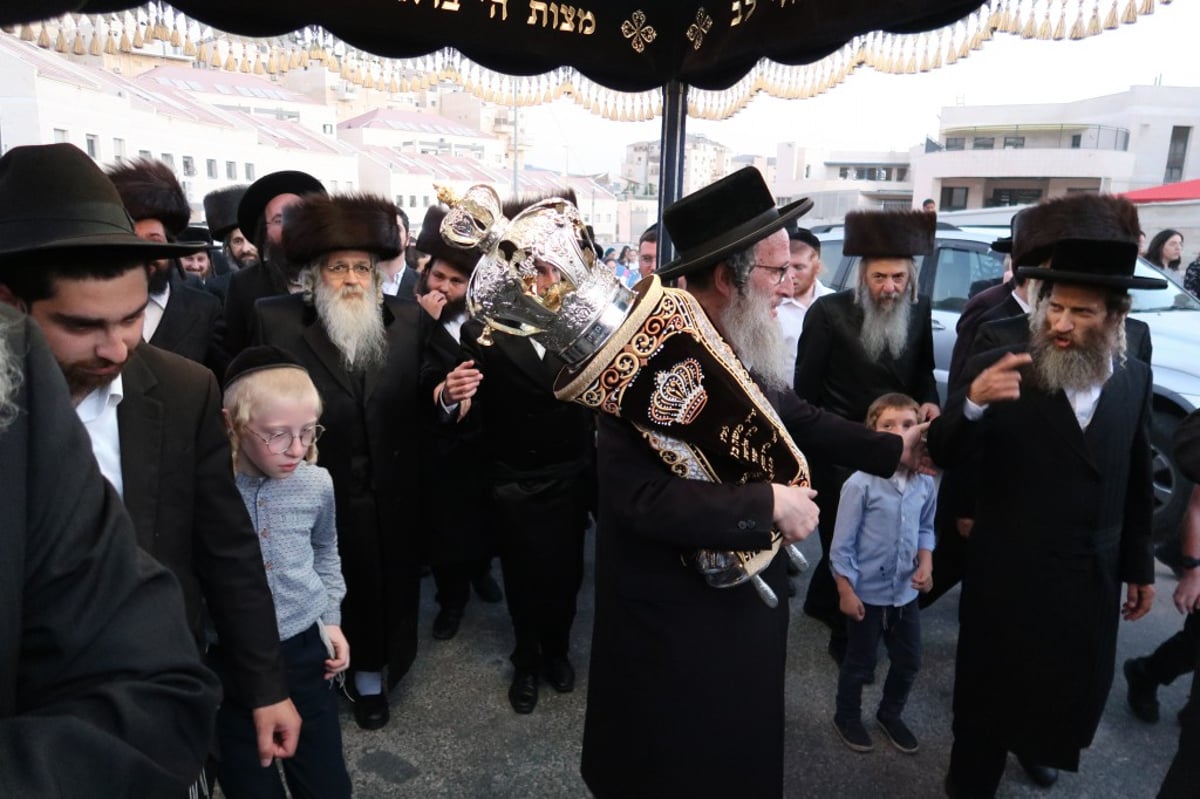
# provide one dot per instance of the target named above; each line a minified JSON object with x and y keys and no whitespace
{"x":561,"y":675}
{"x":486,"y":588}
{"x":523,"y":693}
{"x":371,"y":711}
{"x":1043,"y":776}
{"x":1142,"y":693}
{"x":445,"y":624}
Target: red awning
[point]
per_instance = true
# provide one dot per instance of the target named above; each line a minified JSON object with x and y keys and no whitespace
{"x":1184,"y":190}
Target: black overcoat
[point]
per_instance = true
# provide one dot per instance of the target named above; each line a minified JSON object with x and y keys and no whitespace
{"x":834,"y":372}
{"x":96,"y":663}
{"x":193,"y":326}
{"x":370,"y":449}
{"x":685,"y":694}
{"x":1063,"y":517}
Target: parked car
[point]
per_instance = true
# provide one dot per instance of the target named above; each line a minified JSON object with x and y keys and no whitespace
{"x":963,"y":263}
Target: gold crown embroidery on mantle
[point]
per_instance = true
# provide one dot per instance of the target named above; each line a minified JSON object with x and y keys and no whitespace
{"x":679,"y":394}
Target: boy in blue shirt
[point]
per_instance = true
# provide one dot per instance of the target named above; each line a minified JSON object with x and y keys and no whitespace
{"x":882,"y":556}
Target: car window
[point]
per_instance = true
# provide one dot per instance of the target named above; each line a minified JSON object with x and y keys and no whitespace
{"x":961,"y":274}
{"x":1172,"y":298}
{"x":831,"y":260}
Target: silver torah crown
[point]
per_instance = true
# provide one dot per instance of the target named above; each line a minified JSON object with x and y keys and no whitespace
{"x":539,"y":275}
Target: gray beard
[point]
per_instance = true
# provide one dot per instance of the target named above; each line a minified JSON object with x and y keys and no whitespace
{"x":757,"y":339}
{"x":884,"y":329}
{"x":354,"y":324}
{"x":1077,"y":368}
{"x":10,"y":378}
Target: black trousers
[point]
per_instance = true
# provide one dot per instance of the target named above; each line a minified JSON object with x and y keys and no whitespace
{"x":453,"y":581}
{"x":1183,"y":777}
{"x":1177,"y":655}
{"x":541,"y":526}
{"x":318,"y":770}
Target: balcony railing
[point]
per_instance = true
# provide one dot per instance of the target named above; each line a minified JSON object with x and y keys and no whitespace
{"x":1032,"y":137}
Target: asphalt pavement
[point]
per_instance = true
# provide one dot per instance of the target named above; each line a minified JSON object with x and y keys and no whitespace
{"x":453,"y":733}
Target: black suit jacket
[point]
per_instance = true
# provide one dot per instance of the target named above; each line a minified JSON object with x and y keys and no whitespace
{"x":977,"y":310}
{"x":834,"y":372}
{"x":95,"y":658}
{"x":526,"y":430}
{"x":246,"y":287}
{"x":179,"y":489}
{"x":192,"y":326}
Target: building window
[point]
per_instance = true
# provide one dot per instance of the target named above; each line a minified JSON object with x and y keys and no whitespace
{"x":231,"y":170}
{"x":844,"y":173}
{"x":93,"y":145}
{"x":956,"y":143}
{"x":412,"y":201}
{"x":1177,"y":153}
{"x":168,"y":159}
{"x":1003,"y":197}
{"x":60,"y":136}
{"x":954,"y":198}
{"x":118,"y":150}
{"x":1076,"y":141}
{"x":211,"y":166}
{"x":807,"y":171}
{"x":901,"y":174}
{"x":1014,"y":142}
{"x":145,"y":154}
{"x":249,"y":170}
{"x":425,"y":201}
{"x":983,"y":143}
{"x":327,"y":129}
{"x":189,"y":166}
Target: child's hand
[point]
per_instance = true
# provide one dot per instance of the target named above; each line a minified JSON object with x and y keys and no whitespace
{"x":341,"y":650}
{"x":923,"y":579}
{"x":851,"y":605}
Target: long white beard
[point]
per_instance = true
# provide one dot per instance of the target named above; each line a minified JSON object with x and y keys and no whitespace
{"x":884,"y":329}
{"x":757,"y":339}
{"x":353,"y":323}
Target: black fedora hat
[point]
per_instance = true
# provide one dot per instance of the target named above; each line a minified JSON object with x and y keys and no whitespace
{"x":722,"y":218}
{"x":430,"y":241}
{"x":267,"y":188}
{"x":1105,"y":263}
{"x":54,"y":199}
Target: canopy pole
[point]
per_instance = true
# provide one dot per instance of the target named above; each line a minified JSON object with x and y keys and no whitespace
{"x":670,"y":165}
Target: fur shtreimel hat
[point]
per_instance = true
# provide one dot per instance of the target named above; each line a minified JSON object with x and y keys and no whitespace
{"x":221,"y":210}
{"x":431,"y":242}
{"x":149,"y":190}
{"x":1076,"y":216}
{"x":889,"y":234}
{"x":320,"y":224}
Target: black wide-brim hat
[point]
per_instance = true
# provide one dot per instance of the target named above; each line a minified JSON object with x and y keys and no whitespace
{"x":722,"y":218}
{"x":430,"y":241}
{"x":1105,"y":263}
{"x":267,"y":188}
{"x":54,"y":200}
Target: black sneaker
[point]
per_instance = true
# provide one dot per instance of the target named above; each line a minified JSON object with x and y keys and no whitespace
{"x":899,"y":734}
{"x":853,"y":734}
{"x":1143,"y":691}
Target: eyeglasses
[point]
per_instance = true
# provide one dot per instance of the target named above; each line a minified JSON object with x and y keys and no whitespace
{"x":341,"y":270}
{"x":281,"y":442}
{"x":780,"y":271}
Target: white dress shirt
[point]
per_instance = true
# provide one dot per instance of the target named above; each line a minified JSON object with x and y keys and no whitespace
{"x":790,"y":313}
{"x":154,"y":312}
{"x":98,"y":412}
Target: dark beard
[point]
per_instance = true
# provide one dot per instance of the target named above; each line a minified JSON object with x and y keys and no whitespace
{"x":884,"y":329}
{"x":1076,"y":368}
{"x":159,"y":275}
{"x":453,"y":308}
{"x":80,"y":381}
{"x":275,"y":261}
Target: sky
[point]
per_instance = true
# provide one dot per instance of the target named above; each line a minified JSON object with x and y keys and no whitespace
{"x":874,"y":111}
